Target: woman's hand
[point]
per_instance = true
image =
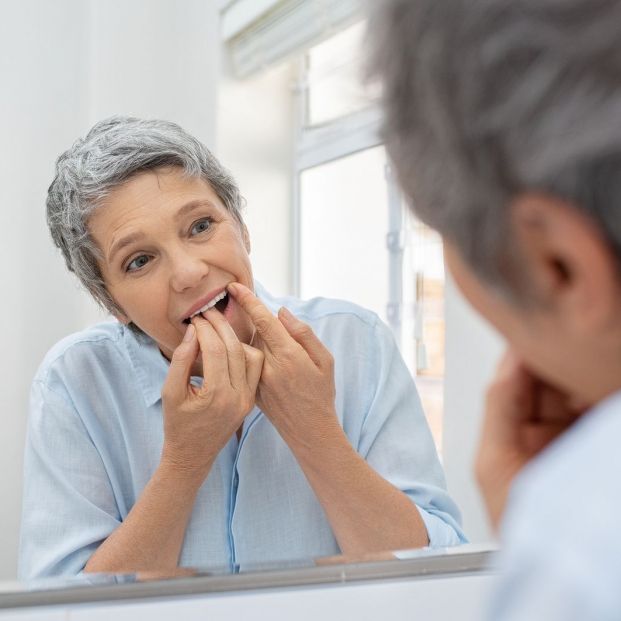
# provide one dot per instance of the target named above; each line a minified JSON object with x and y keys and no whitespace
{"x":296,"y":390}
{"x":198,"y":422}
{"x":523,"y":415}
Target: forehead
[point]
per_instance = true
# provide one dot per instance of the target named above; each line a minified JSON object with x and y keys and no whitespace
{"x":161,"y":193}
{"x":168,"y":187}
{"x":146,"y":206}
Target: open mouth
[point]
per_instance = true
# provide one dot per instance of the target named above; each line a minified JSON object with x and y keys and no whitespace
{"x":220,"y":302}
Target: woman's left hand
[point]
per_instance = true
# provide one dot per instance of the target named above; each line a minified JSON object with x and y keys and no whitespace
{"x":296,"y":390}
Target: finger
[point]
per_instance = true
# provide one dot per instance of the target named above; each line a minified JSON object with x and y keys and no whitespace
{"x":269,"y":328}
{"x":303,"y":334}
{"x":554,"y":406}
{"x":254,"y":365}
{"x":510,"y":364}
{"x":213,"y":354}
{"x":180,"y":370}
{"x":258,"y":343}
{"x":510,"y":400}
{"x":537,"y":437}
{"x":234,"y":350}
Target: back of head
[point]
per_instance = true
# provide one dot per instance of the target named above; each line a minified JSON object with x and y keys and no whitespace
{"x":488,"y":99}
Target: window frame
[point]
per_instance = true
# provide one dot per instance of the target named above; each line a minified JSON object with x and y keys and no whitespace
{"x":337,"y":139}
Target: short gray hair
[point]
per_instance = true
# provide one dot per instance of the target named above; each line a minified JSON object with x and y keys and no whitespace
{"x":112,"y":152}
{"x":487,"y":99}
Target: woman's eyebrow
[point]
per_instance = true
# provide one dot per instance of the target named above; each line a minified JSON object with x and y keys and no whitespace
{"x":122,"y":243}
{"x":192,"y":205}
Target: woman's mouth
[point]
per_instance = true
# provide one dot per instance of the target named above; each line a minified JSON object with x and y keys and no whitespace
{"x":219,"y":302}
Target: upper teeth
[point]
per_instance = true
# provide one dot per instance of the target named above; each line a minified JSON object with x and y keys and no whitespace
{"x":210,"y":304}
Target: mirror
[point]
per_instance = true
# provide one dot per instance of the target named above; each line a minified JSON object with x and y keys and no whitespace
{"x":425,"y":583}
{"x":55,"y":93}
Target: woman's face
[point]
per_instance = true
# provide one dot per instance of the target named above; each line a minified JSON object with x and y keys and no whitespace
{"x":169,"y":247}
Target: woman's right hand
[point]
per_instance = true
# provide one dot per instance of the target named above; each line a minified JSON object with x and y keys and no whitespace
{"x":199,"y":421}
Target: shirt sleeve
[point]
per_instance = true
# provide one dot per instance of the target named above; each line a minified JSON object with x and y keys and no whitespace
{"x":68,"y":504}
{"x":396,"y":441}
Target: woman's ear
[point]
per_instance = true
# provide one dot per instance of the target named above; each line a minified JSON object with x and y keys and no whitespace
{"x":571,"y":266}
{"x":246,"y":237}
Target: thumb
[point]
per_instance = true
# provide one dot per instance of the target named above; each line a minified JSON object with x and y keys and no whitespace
{"x":254,"y":366}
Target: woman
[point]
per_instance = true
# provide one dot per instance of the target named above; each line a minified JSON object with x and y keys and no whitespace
{"x":306,"y":436}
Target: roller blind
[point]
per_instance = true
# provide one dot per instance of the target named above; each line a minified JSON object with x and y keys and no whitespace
{"x":260,"y":33}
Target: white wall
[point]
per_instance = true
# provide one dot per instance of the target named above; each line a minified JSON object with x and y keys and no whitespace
{"x":64,"y":65}
{"x":255,"y":141}
{"x":42,"y":107}
{"x":156,"y":58}
{"x":472,"y":351}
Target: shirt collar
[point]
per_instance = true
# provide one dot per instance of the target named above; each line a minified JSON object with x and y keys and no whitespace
{"x":148,"y":363}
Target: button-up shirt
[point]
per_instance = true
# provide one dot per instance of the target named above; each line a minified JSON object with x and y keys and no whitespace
{"x":95,"y":437}
{"x":561,"y":557}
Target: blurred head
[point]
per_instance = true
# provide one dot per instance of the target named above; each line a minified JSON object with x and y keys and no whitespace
{"x":151,"y":224}
{"x":503,"y":119}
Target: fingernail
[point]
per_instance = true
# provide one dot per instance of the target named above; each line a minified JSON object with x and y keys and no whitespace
{"x":189,"y":334}
{"x":287,"y":314}
{"x":232,"y":288}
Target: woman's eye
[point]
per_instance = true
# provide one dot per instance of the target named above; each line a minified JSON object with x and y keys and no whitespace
{"x":200,"y":226}
{"x":137,"y":263}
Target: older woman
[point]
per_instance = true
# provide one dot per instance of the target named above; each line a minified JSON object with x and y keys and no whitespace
{"x":200,"y":428}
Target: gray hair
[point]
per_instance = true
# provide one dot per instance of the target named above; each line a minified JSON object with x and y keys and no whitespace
{"x":487,"y":99}
{"x":112,"y":152}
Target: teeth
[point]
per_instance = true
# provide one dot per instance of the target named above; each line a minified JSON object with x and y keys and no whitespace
{"x":210,"y":304}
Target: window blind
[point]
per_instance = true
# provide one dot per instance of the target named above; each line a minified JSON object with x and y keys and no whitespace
{"x":261,"y":33}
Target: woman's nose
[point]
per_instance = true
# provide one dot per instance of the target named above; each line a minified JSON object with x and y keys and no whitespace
{"x":187,"y":271}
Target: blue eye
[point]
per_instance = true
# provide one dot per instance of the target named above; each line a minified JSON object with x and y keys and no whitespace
{"x":200,"y":226}
{"x":137,"y":263}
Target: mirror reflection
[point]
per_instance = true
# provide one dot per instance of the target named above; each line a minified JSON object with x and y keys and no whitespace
{"x":304,"y":415}
{"x":212,"y":422}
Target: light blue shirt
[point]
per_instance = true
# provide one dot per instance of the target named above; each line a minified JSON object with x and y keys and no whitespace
{"x":561,"y":535}
{"x":95,"y":436}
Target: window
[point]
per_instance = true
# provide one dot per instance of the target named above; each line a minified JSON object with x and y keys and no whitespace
{"x":356,"y":240}
{"x":343,"y":220}
{"x":333,"y":85}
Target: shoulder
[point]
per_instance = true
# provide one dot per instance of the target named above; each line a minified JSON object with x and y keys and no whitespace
{"x":323,"y":311}
{"x":78,"y":351}
{"x":581,"y":461}
{"x":346,"y":329}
